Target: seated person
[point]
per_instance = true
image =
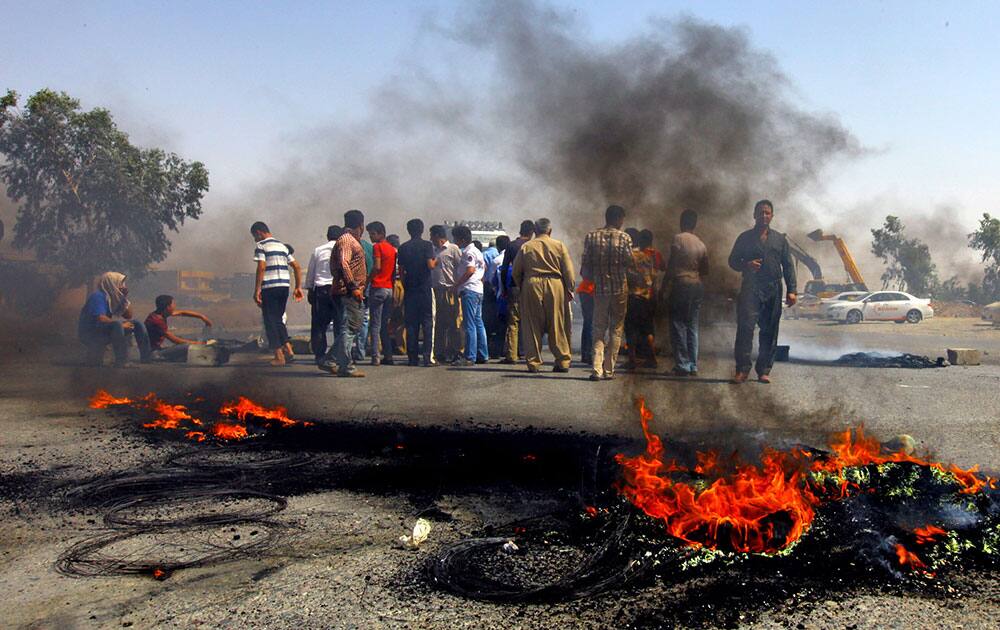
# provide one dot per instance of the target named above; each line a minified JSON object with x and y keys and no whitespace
{"x":158,"y":329}
{"x":106,"y":318}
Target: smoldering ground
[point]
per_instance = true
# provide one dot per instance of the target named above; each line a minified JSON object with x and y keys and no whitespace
{"x":525,"y":113}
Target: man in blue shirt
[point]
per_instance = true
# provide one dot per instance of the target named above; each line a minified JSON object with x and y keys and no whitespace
{"x":98,"y":325}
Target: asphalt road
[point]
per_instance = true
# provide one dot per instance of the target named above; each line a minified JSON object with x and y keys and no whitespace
{"x":953,"y":411}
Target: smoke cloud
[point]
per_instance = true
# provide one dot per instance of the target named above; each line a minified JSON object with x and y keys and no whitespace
{"x":684,"y":114}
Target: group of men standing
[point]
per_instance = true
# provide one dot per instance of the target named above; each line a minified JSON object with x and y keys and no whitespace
{"x":526,"y":286}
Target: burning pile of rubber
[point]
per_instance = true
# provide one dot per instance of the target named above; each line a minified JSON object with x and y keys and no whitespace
{"x":727,"y":505}
{"x":231,"y":423}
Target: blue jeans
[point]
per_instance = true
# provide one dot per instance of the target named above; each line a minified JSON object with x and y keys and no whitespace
{"x":349,"y":315}
{"x":361,"y":341}
{"x":475,"y":330}
{"x":685,"y":303}
{"x":380,"y":306}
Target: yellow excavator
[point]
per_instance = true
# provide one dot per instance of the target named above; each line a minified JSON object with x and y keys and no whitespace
{"x":818,"y":286}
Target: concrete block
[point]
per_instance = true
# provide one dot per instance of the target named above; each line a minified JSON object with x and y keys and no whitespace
{"x":964,"y":356}
{"x":207,"y":355}
{"x":300,"y":345}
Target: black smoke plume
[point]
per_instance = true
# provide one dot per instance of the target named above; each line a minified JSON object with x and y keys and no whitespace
{"x":684,"y":114}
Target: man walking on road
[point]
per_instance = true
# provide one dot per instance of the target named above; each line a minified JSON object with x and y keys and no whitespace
{"x":469,"y":286}
{"x":275,"y":268}
{"x":347,"y":268}
{"x":607,"y":259}
{"x":317,"y":284}
{"x":763,"y":257}
{"x":447,"y":313}
{"x":416,"y":260}
{"x":687,"y":267}
{"x":510,"y":291}
{"x":544,"y":272}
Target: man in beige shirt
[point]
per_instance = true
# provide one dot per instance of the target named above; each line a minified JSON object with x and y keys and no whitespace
{"x":544,"y":272}
{"x":447,"y":310}
{"x":686,"y":268}
{"x":607,"y":260}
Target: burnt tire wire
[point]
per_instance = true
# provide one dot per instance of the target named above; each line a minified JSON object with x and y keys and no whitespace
{"x":188,"y":478}
{"x":613,"y":564}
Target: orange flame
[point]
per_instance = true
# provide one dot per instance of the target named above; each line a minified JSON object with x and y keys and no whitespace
{"x":762,"y":508}
{"x":756,"y":509}
{"x":244,"y":407}
{"x":226,"y":431}
{"x":854,"y":448}
{"x":168,"y":416}
{"x":102,"y":400}
{"x":178,"y":417}
{"x":909,"y":559}
{"x":928,"y":534}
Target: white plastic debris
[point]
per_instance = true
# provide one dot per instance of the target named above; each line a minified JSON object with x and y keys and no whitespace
{"x":421,"y":530}
{"x":510,"y":547}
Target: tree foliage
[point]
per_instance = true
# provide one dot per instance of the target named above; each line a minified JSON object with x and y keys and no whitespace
{"x":89,"y":199}
{"x":987,"y":241}
{"x":908,"y":261}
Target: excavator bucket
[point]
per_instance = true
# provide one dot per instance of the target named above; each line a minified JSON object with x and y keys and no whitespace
{"x":816,"y":235}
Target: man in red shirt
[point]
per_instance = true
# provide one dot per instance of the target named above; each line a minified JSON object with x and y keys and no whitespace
{"x":158,"y":330}
{"x":383,"y":276}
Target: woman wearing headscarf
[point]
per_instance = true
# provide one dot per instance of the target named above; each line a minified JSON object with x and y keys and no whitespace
{"x":106,"y":318}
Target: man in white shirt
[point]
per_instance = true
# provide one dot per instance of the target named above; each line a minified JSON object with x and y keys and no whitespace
{"x":469,"y":286}
{"x":318,"y":281}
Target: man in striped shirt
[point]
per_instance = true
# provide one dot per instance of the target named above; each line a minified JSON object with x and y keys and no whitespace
{"x":275,"y":266}
{"x":350,"y":273}
{"x":607,"y":259}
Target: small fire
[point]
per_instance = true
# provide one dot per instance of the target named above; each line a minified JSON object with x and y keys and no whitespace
{"x":909,"y":559}
{"x":929,"y":534}
{"x":854,"y":448}
{"x":171,"y":416}
{"x":760,"y":508}
{"x":102,"y":400}
{"x":244,"y":407}
{"x":227,"y":431}
{"x":168,"y":416}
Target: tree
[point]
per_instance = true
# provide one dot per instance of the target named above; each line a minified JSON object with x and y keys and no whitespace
{"x":987,"y":240}
{"x":908,"y":261}
{"x":88,"y":199}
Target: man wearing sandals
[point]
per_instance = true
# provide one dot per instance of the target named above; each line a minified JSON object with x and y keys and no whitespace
{"x":275,"y":265}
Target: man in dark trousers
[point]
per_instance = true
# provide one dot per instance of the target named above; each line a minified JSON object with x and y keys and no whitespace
{"x":318,"y":281}
{"x":416,"y":260}
{"x":511,"y":293}
{"x":762,"y":256}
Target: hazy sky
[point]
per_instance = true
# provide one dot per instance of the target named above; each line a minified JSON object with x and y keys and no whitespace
{"x":228,"y":83}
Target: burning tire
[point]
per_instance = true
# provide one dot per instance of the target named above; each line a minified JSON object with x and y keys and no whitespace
{"x":854,"y":317}
{"x":914,"y":316}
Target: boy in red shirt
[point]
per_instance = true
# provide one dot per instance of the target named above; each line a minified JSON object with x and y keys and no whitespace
{"x":158,"y":330}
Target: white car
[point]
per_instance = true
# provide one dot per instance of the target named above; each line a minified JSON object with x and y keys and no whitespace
{"x":991,"y":313}
{"x":846,"y":296}
{"x":885,"y":306}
